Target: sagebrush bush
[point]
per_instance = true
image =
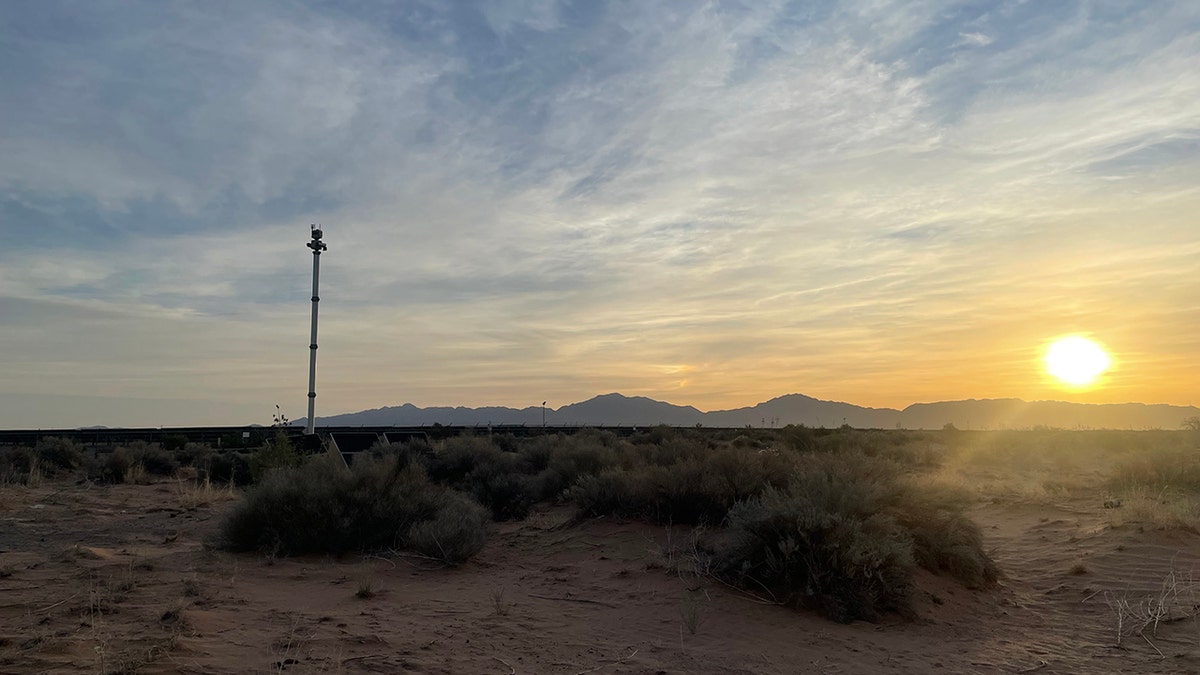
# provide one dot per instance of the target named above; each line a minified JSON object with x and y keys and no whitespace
{"x":320,"y":507}
{"x":111,"y":467}
{"x":609,"y":492}
{"x":16,"y":463}
{"x":58,"y":454}
{"x":457,"y":531}
{"x":848,"y":565}
{"x":155,"y":460}
{"x":845,"y":536}
{"x":944,"y":538}
{"x":683,"y":483}
{"x":194,"y":454}
{"x":228,"y":467}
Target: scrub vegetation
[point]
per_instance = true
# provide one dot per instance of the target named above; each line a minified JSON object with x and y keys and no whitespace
{"x":836,"y":520}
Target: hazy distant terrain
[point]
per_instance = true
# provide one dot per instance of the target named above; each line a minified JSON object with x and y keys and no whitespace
{"x":619,"y":410}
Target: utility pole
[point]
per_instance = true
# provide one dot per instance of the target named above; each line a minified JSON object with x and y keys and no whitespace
{"x":317,"y":246}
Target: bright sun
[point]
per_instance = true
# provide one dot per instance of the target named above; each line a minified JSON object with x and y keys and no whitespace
{"x":1075,"y":360}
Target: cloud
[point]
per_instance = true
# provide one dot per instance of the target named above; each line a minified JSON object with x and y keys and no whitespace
{"x":560,"y":198}
{"x":973,"y":40}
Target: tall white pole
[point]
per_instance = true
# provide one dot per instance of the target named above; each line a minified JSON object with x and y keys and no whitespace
{"x":317,"y":246}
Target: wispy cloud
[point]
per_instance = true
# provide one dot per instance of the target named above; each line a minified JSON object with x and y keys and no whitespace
{"x":882,"y":202}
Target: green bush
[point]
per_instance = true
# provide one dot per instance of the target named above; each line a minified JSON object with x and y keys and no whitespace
{"x":380,"y":504}
{"x":58,"y":454}
{"x":278,"y":453}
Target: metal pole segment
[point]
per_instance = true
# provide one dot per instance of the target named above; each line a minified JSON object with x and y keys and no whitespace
{"x":317,"y":246}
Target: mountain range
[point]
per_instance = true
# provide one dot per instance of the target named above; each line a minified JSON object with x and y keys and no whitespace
{"x":619,"y":410}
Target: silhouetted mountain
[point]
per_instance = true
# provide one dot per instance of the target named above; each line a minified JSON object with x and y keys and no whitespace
{"x":616,"y":409}
{"x":619,"y":410}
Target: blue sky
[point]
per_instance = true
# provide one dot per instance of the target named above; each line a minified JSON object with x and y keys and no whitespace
{"x":707,"y":203}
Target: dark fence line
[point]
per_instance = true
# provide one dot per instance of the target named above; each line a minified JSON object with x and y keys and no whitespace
{"x":255,"y":435}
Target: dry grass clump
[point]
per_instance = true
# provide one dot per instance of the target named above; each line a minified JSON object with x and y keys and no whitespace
{"x":193,"y":495}
{"x":381,"y":504}
{"x":1158,"y":486}
{"x":1164,"y":469}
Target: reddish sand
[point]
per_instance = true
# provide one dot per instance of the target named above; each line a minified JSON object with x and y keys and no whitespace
{"x":117,"y":579}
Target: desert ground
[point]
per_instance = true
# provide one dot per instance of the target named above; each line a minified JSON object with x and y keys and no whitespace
{"x":123,"y":579}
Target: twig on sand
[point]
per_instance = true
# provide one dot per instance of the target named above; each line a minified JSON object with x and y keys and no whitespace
{"x":406,"y":556}
{"x":584,"y":600}
{"x":511,"y":670}
{"x":379,"y":557}
{"x":1092,"y":595}
{"x":618,"y":662}
{"x":1160,"y":654}
{"x":1041,"y":664}
{"x":50,"y":607}
{"x":364,"y":657}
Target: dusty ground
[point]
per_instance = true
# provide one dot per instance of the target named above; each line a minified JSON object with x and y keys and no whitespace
{"x":117,"y":579}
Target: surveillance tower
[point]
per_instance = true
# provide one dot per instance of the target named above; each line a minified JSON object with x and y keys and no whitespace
{"x":317,"y":246}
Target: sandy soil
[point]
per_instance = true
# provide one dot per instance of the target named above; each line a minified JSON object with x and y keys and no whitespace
{"x":118,"y":579}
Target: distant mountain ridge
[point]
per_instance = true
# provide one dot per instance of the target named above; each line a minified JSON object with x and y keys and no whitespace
{"x":619,"y":410}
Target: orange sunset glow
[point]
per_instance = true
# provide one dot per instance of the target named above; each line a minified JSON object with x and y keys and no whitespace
{"x":710,"y":206}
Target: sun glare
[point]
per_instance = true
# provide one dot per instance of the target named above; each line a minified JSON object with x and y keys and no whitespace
{"x":1076,"y":361}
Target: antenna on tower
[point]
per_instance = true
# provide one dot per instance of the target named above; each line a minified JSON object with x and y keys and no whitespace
{"x":317,"y":246}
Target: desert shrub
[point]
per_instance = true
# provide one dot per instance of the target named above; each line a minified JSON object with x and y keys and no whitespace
{"x":609,"y":492}
{"x":111,"y":467}
{"x":154,"y":460}
{"x":457,"y":531}
{"x":850,"y":566}
{"x":507,"y":495}
{"x":16,"y":463}
{"x":459,"y":456}
{"x":58,"y":454}
{"x":1162,"y":470}
{"x":845,"y":536}
{"x":685,"y":493}
{"x":377,"y":505}
{"x":944,"y":539}
{"x":692,"y":485}
{"x":799,"y":438}
{"x":673,"y":450}
{"x":560,"y":461}
{"x":226,"y":468}
{"x":277,"y":453}
{"x":173,"y":443}
{"x":194,"y":454}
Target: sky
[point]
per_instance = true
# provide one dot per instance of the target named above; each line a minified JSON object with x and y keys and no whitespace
{"x":712,"y":204}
